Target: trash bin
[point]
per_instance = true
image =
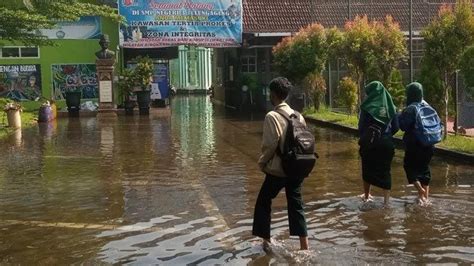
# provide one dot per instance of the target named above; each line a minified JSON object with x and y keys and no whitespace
{"x":73,"y":102}
{"x":45,"y":113}
{"x":14,"y":118}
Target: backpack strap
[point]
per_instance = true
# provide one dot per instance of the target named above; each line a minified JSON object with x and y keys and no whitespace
{"x":288,"y":119}
{"x":287,"y":116}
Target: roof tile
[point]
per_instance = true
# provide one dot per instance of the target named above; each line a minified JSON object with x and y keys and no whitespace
{"x":291,"y":15}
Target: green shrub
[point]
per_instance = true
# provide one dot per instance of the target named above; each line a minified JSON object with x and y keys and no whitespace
{"x":250,"y":80}
{"x":347,"y":95}
{"x":315,"y":86}
{"x":467,"y":70}
{"x":396,"y":89}
{"x":432,"y":86}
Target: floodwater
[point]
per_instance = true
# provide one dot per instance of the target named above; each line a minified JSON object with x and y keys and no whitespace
{"x":181,"y":190}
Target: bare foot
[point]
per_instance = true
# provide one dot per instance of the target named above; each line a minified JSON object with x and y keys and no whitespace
{"x":364,"y":199}
{"x":424,"y":202}
{"x":267,"y":245}
{"x":421,"y":200}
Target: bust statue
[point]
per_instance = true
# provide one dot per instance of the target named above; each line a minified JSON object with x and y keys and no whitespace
{"x":104,"y":53}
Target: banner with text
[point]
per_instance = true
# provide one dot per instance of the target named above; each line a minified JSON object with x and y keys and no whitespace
{"x":20,"y":82}
{"x":165,"y":23}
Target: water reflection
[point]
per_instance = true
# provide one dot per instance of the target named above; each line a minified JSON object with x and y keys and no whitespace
{"x":181,"y":189}
{"x":16,"y":138}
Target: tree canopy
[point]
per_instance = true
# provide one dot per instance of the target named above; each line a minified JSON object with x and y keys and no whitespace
{"x":305,"y":53}
{"x":303,"y":57}
{"x":22,"y":20}
{"x":373,"y":49}
{"x":446,"y":39}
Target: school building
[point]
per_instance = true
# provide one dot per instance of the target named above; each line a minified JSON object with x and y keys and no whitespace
{"x":50,"y":71}
{"x":266,"y":22}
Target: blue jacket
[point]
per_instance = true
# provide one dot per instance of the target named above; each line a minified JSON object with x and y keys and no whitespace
{"x":407,"y":120}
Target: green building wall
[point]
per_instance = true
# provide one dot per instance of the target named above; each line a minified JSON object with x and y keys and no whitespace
{"x":67,"y":52}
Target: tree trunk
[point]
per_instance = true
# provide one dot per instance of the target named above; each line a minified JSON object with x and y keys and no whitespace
{"x":446,"y":105}
{"x":316,"y":101}
{"x":359,"y":92}
{"x":456,"y":103}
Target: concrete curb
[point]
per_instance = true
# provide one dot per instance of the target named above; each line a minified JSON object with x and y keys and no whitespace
{"x":439,"y":151}
{"x":165,"y":111}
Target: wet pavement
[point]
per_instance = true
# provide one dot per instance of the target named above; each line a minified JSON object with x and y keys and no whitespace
{"x":181,"y":190}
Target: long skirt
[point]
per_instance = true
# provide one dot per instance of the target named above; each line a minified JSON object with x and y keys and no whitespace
{"x":416,"y":163}
{"x":376,"y":163}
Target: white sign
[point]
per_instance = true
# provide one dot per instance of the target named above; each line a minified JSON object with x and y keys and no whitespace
{"x":155,"y":92}
{"x":88,"y":27}
{"x":105,"y":91}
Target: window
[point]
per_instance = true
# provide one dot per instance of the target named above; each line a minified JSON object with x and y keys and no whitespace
{"x":19,"y":52}
{"x":29,"y":51}
{"x":249,"y":64}
{"x":10,"y":52}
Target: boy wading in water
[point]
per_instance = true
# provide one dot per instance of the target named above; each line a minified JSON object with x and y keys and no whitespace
{"x":418,"y":152}
{"x":274,"y":133}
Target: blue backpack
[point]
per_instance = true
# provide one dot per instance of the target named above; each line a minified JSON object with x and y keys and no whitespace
{"x":428,"y":128}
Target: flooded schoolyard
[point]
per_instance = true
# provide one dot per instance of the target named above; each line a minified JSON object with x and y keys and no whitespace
{"x":181,"y":190}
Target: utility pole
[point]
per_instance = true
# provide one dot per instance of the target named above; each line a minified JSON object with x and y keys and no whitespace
{"x":456,"y":104}
{"x":411,"y":40}
{"x":348,"y":9}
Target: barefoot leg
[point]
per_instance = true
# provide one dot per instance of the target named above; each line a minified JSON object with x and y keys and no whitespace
{"x":427,"y":191}
{"x":421,"y":191}
{"x":367,"y":195}
{"x":386,"y":197}
{"x":304,"y":243}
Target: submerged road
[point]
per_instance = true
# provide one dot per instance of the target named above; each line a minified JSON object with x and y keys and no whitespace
{"x":181,"y":189}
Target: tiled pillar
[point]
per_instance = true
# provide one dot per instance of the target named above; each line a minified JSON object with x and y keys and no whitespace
{"x":204,"y":68}
{"x":183,"y":66}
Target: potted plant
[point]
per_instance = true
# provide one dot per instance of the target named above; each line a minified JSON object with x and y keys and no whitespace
{"x":73,"y":101}
{"x":13,"y":110}
{"x":143,"y":73}
{"x":248,"y":84}
{"x":127,"y":82}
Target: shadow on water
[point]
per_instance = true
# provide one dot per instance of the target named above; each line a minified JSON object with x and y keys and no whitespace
{"x":181,"y":189}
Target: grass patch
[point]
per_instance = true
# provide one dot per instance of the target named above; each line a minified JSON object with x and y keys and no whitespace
{"x":32,"y":106}
{"x":329,"y":116}
{"x":455,"y":143}
{"x":459,"y":143}
{"x":28,"y":119}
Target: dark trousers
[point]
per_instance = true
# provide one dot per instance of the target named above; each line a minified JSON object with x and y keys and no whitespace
{"x":270,"y":189}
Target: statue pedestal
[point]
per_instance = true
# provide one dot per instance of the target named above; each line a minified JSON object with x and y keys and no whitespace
{"x":105,"y":73}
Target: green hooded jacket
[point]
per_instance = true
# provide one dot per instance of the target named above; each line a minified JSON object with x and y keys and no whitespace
{"x":378,"y":102}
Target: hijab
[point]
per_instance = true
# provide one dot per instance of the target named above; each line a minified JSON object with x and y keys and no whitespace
{"x":378,"y":103}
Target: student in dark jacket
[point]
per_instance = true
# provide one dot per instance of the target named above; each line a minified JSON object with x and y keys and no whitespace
{"x":417,"y":156}
{"x":377,"y":110}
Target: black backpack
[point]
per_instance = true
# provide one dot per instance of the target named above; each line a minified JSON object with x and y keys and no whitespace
{"x":372,"y":135}
{"x":297,"y":157}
